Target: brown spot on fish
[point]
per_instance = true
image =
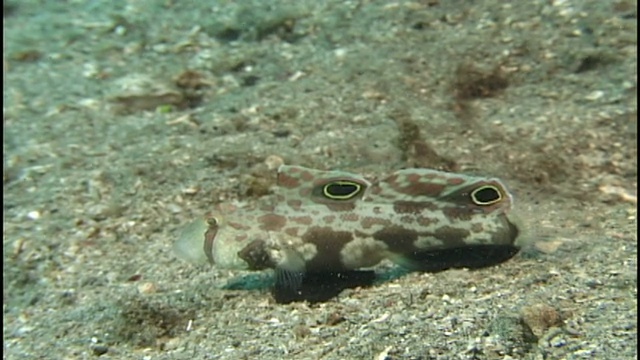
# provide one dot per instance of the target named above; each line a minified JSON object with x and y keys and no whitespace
{"x":369,"y":221}
{"x":422,"y":188}
{"x":329,"y":243}
{"x":376,"y":190}
{"x":307,"y":176}
{"x":328,"y":219}
{"x":349,"y":217}
{"x":302,"y":220}
{"x":451,"y":235}
{"x":426,"y":220}
{"x":288,"y":182}
{"x":457,"y":213}
{"x":256,"y":256}
{"x":406,"y":219}
{"x":455,"y":181}
{"x":389,"y":197}
{"x":477,"y":228}
{"x":238,"y":226}
{"x":413,"y":178}
{"x":272,"y":222}
{"x":305,"y":193}
{"x":431,"y":175}
{"x":397,"y":238}
{"x":341,"y":206}
{"x":295,"y":204}
{"x":292,"y":231}
{"x":391,"y":180}
{"x":413,"y":207}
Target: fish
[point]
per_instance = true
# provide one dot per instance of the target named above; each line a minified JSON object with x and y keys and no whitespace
{"x":327,"y":221}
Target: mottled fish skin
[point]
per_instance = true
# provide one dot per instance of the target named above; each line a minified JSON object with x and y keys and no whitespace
{"x":335,"y":221}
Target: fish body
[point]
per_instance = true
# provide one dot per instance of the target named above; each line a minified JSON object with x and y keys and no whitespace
{"x":331,"y":221}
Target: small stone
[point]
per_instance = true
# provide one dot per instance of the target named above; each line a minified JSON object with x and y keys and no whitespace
{"x":273,"y":162}
{"x":192,"y":190}
{"x":33,"y":215}
{"x":548,"y":246}
{"x":541,"y":317}
{"x":281,"y":133}
{"x":558,"y":341}
{"x":595,"y":95}
{"x":147,"y":288}
{"x":512,"y":334}
{"x":99,"y":349}
{"x":301,"y":331}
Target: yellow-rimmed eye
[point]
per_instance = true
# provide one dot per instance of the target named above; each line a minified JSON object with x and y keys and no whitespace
{"x":486,"y":195}
{"x":341,"y":190}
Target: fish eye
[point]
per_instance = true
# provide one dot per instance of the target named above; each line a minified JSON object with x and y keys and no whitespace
{"x":213,"y":223}
{"x":341,"y":190}
{"x":486,"y":195}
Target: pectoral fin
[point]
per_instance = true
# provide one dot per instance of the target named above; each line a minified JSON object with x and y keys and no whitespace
{"x":288,"y":281}
{"x":290,"y":271}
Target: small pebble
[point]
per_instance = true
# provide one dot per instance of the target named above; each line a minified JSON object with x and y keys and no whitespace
{"x":147,"y":288}
{"x":273,"y":162}
{"x":540,"y":317}
{"x":99,"y":349}
{"x":595,"y":95}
